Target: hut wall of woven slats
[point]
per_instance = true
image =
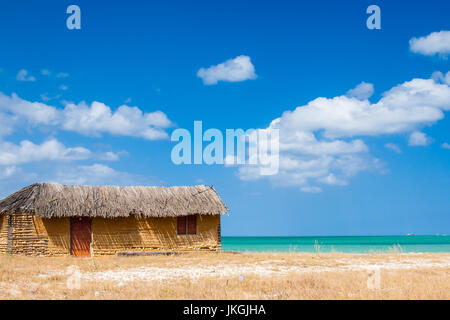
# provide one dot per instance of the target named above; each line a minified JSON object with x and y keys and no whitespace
{"x":3,"y":233}
{"x":58,"y":233}
{"x":131,"y":234}
{"x":33,"y":235}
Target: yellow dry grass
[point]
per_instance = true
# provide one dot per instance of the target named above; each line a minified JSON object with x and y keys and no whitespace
{"x":228,"y":276}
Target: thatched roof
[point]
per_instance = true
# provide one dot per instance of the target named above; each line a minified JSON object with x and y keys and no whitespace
{"x":54,"y":200}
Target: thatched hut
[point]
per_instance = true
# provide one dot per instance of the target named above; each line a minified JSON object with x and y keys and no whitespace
{"x":52,"y":219}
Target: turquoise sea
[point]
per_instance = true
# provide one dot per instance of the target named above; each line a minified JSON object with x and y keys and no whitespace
{"x":355,"y":244}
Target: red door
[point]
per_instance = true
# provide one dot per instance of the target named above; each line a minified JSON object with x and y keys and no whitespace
{"x":192,"y":224}
{"x":80,"y":236}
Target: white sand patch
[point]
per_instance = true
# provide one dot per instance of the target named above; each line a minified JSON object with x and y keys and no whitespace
{"x":263,"y":269}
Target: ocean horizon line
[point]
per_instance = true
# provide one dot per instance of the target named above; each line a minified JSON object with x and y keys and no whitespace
{"x":351,"y":244}
{"x":334,"y":236}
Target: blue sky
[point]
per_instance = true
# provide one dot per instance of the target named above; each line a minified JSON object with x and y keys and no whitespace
{"x":389,"y":172}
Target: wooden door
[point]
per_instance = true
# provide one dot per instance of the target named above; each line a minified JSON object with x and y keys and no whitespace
{"x":192,"y":224}
{"x":80,"y":236}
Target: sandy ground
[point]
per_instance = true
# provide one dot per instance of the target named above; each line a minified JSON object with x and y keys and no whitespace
{"x":262,"y":269}
{"x":228,"y":276}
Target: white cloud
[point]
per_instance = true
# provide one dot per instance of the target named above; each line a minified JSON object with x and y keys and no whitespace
{"x":98,"y":174}
{"x":434,"y":43}
{"x":45,"y":97}
{"x":418,"y":138}
{"x":62,"y":75}
{"x":6,"y":124}
{"x":83,"y":175}
{"x":33,"y":112}
{"x":305,"y":142}
{"x":88,"y":120}
{"x":27,"y":151}
{"x":22,"y":75}
{"x":362,"y":91}
{"x":63,"y":87}
{"x":12,"y":178}
{"x":109,"y":156}
{"x":13,"y":156}
{"x":322,"y":141}
{"x":445,"y":145}
{"x":403,"y":108}
{"x":438,"y":76}
{"x":232,"y":70}
{"x":45,"y":72}
{"x":393,"y":147}
{"x":125,"y":121}
{"x":332,"y":180}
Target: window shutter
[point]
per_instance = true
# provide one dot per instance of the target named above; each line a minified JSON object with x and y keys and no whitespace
{"x":181,"y":225}
{"x":192,"y":224}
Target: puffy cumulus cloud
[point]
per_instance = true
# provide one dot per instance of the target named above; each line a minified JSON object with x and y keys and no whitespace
{"x":51,"y":150}
{"x":23,"y":75}
{"x":404,"y":107}
{"x":17,"y":109}
{"x":321,"y":143}
{"x":27,"y":151}
{"x":125,"y":121}
{"x":362,"y":91}
{"x":52,"y":161}
{"x":417,"y":138}
{"x":445,"y":145}
{"x":232,"y":70}
{"x":434,"y":43}
{"x":306,"y":142}
{"x":93,"y":119}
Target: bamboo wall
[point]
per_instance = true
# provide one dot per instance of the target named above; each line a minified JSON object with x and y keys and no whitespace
{"x":3,"y":233}
{"x":57,"y":231}
{"x":131,"y":234}
{"x":32,"y":235}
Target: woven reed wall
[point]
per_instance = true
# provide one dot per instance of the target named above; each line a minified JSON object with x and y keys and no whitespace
{"x":3,"y":233}
{"x":32,"y":235}
{"x":152,"y":234}
{"x":24,"y":236}
{"x":57,"y":231}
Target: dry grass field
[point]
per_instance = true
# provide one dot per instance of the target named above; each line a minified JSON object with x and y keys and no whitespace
{"x":228,"y":276}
